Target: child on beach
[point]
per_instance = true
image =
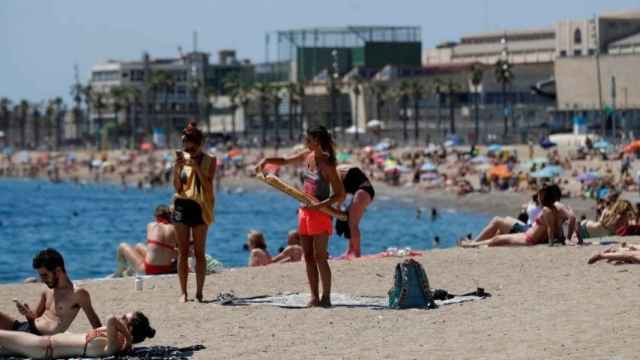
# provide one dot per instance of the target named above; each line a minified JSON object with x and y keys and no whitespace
{"x":322,"y":182}
{"x":293,"y":252}
{"x":259,"y":255}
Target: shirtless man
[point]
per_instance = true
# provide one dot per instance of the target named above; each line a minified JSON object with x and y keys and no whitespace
{"x":58,"y":305}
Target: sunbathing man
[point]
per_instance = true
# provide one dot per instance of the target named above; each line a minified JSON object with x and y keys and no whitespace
{"x":159,"y":256}
{"x":115,"y":338}
{"x":58,"y":306}
{"x":293,"y":252}
{"x":621,"y":255}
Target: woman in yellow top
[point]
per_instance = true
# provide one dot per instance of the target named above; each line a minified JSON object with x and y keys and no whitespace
{"x":193,"y":205}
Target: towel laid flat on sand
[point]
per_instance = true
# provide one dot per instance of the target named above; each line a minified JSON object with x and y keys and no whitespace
{"x":146,"y":353}
{"x":298,"y":300}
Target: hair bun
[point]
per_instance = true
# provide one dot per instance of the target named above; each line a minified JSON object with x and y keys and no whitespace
{"x":151,"y":332}
{"x":192,"y":125}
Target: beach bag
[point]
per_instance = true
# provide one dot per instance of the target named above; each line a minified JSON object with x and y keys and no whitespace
{"x":410,"y":287}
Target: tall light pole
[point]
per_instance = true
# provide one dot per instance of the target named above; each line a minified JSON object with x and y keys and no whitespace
{"x":505,"y":71}
{"x":333,"y":89}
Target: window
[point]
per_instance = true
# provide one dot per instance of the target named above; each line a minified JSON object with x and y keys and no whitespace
{"x":577,"y":52}
{"x":563,"y":53}
{"x":577,"y":37}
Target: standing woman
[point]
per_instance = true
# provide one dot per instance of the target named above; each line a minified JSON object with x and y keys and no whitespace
{"x":322,"y":182}
{"x":359,"y":188}
{"x":193,"y":205}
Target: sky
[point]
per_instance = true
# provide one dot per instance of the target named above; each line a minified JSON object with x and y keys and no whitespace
{"x":41,"y":40}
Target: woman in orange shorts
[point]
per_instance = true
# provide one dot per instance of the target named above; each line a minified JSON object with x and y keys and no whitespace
{"x":321,"y":181}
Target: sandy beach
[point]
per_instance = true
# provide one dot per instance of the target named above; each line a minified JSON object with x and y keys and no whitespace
{"x":546,"y":303}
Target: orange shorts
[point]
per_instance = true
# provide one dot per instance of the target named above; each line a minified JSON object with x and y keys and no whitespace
{"x":314,"y":222}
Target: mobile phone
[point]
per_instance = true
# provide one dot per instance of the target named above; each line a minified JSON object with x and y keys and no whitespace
{"x":179,"y":154}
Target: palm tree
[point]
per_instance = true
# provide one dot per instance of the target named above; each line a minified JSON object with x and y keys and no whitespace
{"x":119,"y":101}
{"x":356,"y":84}
{"x":291,"y":89}
{"x":24,"y":113}
{"x":36,"y":119}
{"x":476,"y":80}
{"x":163,"y":81}
{"x":299,"y":96}
{"x":416,"y":91}
{"x":50,"y":114}
{"x":59,"y":120}
{"x":99,"y":103}
{"x":332,"y":92}
{"x":276,"y":100}
{"x":5,"y":117}
{"x":87,"y":93}
{"x":262,"y":92}
{"x":504,"y":76}
{"x":380,"y":93}
{"x":448,"y":89}
{"x":76,"y":94}
{"x":402,"y":95}
{"x":131,"y":100}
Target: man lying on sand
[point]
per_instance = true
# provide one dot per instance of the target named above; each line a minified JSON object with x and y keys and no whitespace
{"x":58,"y":305}
{"x":625,"y":254}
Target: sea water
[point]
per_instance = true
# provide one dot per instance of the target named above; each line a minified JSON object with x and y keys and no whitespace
{"x":87,"y":222}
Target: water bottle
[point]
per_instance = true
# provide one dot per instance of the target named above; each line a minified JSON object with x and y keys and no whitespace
{"x":139,"y":282}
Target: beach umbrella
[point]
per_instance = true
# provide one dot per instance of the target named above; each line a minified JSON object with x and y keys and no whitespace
{"x":494,"y":148}
{"x":390,"y":163}
{"x":146,"y":146}
{"x":589,"y":177}
{"x":429,"y":167}
{"x":633,"y":147}
{"x":383,"y":146}
{"x":548,"y":172}
{"x":547,"y":144}
{"x":500,"y":171}
{"x":343,"y":156}
{"x":22,"y":157}
{"x":375,"y":124}
{"x":480,"y":160}
{"x":353,"y":129}
{"x":429,"y":176}
{"x":601,"y":144}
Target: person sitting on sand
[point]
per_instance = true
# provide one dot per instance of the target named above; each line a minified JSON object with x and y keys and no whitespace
{"x":258,"y":247}
{"x":613,"y":217}
{"x":57,"y":306}
{"x":546,"y":227}
{"x":159,"y":256}
{"x":621,"y":255}
{"x":115,"y":338}
{"x":293,"y":252}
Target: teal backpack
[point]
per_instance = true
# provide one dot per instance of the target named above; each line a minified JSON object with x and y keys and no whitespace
{"x":410,"y":287}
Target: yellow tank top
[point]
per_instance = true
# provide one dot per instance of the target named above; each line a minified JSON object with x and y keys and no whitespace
{"x":199,"y":190}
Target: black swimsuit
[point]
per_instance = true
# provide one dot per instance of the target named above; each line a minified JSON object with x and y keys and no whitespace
{"x":355,"y":180}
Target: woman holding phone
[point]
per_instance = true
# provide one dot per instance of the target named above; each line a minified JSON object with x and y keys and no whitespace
{"x":194,"y":200}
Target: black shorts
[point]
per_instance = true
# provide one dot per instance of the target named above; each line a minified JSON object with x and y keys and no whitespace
{"x":187,"y":212}
{"x":25,"y":326}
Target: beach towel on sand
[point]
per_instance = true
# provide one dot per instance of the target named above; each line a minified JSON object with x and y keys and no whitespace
{"x":145,"y":353}
{"x":299,"y":300}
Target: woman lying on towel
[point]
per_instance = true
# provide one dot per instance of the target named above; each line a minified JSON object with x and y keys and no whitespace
{"x":115,"y":338}
{"x":622,"y":255}
{"x":547,"y":227}
{"x":614,"y":217}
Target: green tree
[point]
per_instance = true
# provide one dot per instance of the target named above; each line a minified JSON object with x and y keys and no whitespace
{"x":275,"y":99}
{"x":402,"y":95}
{"x":477,"y":74}
{"x":416,"y":91}
{"x":87,"y":93}
{"x":36,"y":119}
{"x":22,"y":125}
{"x":163,"y":82}
{"x":99,"y":104}
{"x":504,"y":76}
{"x":59,"y":121}
{"x":262,"y":93}
{"x":356,"y":87}
{"x":5,"y":117}
{"x":50,"y":119}
{"x":380,"y":92}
